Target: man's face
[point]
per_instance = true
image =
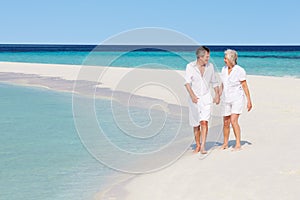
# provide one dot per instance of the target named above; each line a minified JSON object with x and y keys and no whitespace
{"x":205,"y":58}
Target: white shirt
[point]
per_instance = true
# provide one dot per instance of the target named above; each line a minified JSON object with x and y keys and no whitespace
{"x":200,"y":84}
{"x":232,"y":87}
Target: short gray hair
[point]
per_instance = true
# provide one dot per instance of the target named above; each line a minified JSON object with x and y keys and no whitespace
{"x":231,"y":55}
{"x":200,"y":52}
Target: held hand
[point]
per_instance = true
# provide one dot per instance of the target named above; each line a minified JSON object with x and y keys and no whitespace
{"x":249,"y":106}
{"x":216,"y":99}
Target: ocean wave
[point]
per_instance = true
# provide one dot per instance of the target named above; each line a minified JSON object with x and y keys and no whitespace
{"x":290,"y":76}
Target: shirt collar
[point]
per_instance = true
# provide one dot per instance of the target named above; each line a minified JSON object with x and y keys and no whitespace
{"x":195,"y":64}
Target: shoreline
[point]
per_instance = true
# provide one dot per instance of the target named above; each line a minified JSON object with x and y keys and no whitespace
{"x":70,"y":73}
{"x":108,"y":78}
{"x":268,"y":162}
{"x":74,"y":69}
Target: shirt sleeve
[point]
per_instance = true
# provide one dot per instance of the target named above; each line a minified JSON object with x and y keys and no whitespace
{"x":188,"y":74}
{"x":242,"y":75}
{"x":214,"y":80}
{"x":222,"y":74}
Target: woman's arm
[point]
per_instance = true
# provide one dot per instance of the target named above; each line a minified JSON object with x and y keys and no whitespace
{"x":221,"y":89}
{"x":247,"y":93}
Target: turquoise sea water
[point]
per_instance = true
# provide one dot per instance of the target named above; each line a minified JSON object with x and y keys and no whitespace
{"x":266,"y":63}
{"x":40,"y":152}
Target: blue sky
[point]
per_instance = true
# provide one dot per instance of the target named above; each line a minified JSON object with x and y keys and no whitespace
{"x":92,"y":21}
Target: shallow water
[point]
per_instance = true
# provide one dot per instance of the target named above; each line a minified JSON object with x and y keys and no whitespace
{"x":42,"y":156}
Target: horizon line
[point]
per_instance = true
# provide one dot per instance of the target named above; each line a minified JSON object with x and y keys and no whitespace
{"x":149,"y":44}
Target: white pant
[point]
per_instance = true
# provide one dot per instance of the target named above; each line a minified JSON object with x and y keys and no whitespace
{"x":235,"y":107}
{"x":200,"y":111}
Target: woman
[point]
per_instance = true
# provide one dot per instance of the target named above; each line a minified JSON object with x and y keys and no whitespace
{"x":233,"y":89}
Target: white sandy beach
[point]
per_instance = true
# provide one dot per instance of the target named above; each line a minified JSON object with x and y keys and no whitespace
{"x":106,"y":77}
{"x":268,"y":167}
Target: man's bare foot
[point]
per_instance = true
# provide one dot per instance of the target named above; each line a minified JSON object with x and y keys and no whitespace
{"x":237,"y":148}
{"x":203,"y":151}
{"x":197,"y":149}
{"x":224,"y":146}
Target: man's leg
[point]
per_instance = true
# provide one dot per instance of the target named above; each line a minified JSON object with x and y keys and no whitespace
{"x":197,"y":138}
{"x":204,"y":129}
{"x":226,"y":129}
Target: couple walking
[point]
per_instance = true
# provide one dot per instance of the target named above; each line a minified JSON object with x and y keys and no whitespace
{"x":200,"y":75}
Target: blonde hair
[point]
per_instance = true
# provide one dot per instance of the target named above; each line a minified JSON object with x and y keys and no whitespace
{"x":231,"y":55}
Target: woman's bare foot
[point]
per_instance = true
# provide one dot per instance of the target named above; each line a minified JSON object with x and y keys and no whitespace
{"x":197,"y":149}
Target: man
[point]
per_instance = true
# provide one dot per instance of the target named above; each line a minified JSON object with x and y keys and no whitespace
{"x":199,"y":76}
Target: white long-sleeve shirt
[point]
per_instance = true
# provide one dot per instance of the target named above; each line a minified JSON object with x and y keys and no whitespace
{"x":200,"y":84}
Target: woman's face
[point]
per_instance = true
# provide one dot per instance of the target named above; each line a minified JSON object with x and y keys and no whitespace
{"x":227,"y":62}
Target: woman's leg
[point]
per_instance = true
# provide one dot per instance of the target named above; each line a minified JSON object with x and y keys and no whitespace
{"x":226,"y":129}
{"x":236,"y":129}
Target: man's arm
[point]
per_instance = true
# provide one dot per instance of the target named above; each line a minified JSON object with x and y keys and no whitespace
{"x":191,"y":93}
{"x":217,"y":95}
{"x":215,"y":84}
